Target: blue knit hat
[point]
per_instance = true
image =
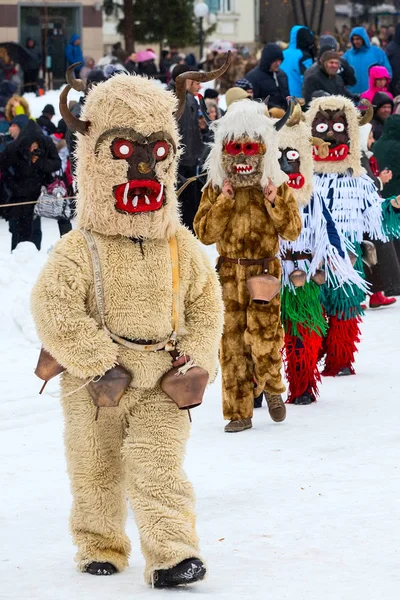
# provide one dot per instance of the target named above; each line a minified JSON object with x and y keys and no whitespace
{"x":244,"y":84}
{"x":20,"y":120}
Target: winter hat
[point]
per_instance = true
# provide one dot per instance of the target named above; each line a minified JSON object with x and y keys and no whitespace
{"x":210,"y":94}
{"x":327,"y":41}
{"x":145,"y":55}
{"x":20,"y":120}
{"x":329,"y":55}
{"x":235,"y":94}
{"x":380,"y":99}
{"x":49,"y":110}
{"x":244,"y":84}
{"x":95,"y":76}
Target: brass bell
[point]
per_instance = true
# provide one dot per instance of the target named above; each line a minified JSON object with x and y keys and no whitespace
{"x":298,"y":277}
{"x":263,"y":288}
{"x":319,"y":277}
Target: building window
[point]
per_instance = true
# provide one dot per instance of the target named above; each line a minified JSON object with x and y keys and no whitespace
{"x":221,"y":6}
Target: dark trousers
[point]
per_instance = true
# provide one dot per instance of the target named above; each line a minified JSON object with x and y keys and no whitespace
{"x":189,"y":200}
{"x":21,"y":228}
{"x":31,"y":78}
{"x":385,"y":275}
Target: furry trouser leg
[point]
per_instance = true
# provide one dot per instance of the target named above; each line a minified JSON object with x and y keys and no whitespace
{"x":251,"y":345}
{"x":162,"y":498}
{"x":340,"y":345}
{"x":264,"y":334}
{"x":96,"y":470}
{"x":301,"y":358}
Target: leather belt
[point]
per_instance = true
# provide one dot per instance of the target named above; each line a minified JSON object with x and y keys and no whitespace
{"x":297,"y":256}
{"x":245,"y":262}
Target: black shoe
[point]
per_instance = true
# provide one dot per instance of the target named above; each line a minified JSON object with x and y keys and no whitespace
{"x":100,"y":568}
{"x":344,"y":372}
{"x":304,"y":399}
{"x":259,"y":400}
{"x":187,"y":571}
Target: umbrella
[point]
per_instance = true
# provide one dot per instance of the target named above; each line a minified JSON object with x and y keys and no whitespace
{"x":18,"y":54}
{"x":222,"y":46}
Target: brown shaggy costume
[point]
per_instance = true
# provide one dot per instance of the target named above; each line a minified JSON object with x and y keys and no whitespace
{"x":247,"y":226}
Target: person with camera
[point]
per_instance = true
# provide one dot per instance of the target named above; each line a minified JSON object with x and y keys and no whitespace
{"x":27,"y":164}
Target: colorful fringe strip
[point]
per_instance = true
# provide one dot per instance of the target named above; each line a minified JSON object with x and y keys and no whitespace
{"x":300,"y":358}
{"x":301,"y":310}
{"x":345,"y":301}
{"x":339,"y":346}
{"x":390,"y":219}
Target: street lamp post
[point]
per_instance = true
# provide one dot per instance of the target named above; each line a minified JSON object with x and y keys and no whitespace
{"x":200,"y":12}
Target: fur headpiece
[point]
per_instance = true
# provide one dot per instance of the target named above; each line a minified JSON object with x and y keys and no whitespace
{"x":354,"y":119}
{"x":298,"y":137}
{"x":245,"y":118}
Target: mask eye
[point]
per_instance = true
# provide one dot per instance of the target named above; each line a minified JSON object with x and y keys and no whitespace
{"x":251,"y":148}
{"x":161,"y":150}
{"x":338,"y":127}
{"x":279,"y":154}
{"x":322,"y":127}
{"x":292,"y":155}
{"x":233,"y":148}
{"x":122,"y":148}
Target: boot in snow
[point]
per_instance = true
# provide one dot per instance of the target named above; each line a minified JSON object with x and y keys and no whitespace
{"x":238,"y":425}
{"x":344,"y":372}
{"x":187,"y":571}
{"x":276,"y":407}
{"x":258,"y":401}
{"x":379,"y":300}
{"x":306,"y":398}
{"x":100,"y":568}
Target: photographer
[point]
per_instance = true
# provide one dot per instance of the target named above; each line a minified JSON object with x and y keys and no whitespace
{"x":27,"y":163}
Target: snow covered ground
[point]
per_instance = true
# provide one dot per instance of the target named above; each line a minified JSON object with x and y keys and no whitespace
{"x":304,"y":510}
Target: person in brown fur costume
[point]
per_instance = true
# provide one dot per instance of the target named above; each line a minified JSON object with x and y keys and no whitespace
{"x":245,"y":207}
{"x":236,"y":71}
{"x":128,"y":146}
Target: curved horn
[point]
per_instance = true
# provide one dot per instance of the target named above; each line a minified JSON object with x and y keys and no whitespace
{"x":180,"y":82}
{"x":296,"y":115}
{"x":72,"y":122}
{"x":369,"y":113}
{"x":279,"y":124}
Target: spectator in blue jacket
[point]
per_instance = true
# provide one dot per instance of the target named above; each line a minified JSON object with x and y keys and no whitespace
{"x":74,"y":54}
{"x":362,"y":56}
{"x":298,"y":57}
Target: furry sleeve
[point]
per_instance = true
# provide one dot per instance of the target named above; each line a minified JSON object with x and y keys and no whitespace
{"x":203,"y":308}
{"x":285,"y":214}
{"x":213,"y":215}
{"x":58,"y":305}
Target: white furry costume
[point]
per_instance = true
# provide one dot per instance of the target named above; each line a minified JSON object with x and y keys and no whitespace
{"x":136,"y":449}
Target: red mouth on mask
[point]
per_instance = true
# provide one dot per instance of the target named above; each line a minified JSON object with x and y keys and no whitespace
{"x":139,"y":195}
{"x":296,"y":180}
{"x":337,"y":153}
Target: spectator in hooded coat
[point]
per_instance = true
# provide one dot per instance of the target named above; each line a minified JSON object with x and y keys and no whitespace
{"x":346,"y":72}
{"x":29,"y":162}
{"x":268,"y":79}
{"x":74,"y":54}
{"x":325,"y":78}
{"x":393,"y":54}
{"x":31,"y":69}
{"x":362,"y":56}
{"x":298,"y":57}
{"x":383,"y":108}
{"x":45,"y":120}
{"x":379,"y":79}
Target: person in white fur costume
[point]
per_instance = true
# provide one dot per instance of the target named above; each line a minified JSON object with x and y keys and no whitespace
{"x":127,"y":152}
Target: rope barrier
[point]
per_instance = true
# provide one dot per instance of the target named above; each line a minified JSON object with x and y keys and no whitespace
{"x":178,"y":193}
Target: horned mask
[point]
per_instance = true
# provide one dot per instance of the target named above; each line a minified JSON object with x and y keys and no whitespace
{"x":296,"y":158}
{"x":127,"y":152}
{"x":336,"y":121}
{"x":245,"y":150}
